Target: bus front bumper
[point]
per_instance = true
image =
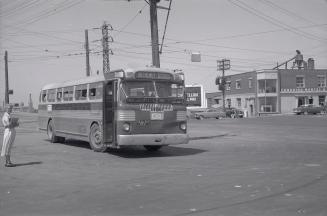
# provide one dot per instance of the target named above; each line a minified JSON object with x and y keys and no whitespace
{"x":152,"y":139}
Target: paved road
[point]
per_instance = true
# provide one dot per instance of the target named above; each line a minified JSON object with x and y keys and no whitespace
{"x":263,"y":166}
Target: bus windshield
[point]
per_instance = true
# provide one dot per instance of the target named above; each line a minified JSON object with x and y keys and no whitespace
{"x":152,"y":89}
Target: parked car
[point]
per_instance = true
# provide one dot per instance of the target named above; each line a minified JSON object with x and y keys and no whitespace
{"x":233,"y":112}
{"x":308,"y":109}
{"x":210,"y":113}
{"x":190,"y":113}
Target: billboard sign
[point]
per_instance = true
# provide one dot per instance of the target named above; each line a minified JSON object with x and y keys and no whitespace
{"x":193,"y":96}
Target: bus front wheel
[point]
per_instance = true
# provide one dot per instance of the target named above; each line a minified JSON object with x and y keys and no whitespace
{"x":152,"y":148}
{"x":95,"y":138}
{"x":51,"y":132}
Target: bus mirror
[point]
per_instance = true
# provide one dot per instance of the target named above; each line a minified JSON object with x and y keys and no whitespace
{"x":116,"y":74}
{"x":179,"y":77}
{"x":119,"y":74}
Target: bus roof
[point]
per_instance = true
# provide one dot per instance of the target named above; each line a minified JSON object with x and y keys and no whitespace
{"x":100,"y":77}
{"x":86,"y":80}
{"x":147,"y":69}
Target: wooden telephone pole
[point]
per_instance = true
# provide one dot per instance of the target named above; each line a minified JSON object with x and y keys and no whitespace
{"x":6,"y":79}
{"x":223,"y":65}
{"x":87,"y":52}
{"x":154,"y":33}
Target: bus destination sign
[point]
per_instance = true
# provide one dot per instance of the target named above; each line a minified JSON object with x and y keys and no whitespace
{"x":153,"y":75}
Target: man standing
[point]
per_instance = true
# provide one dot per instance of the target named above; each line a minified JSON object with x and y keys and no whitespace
{"x":8,"y":135}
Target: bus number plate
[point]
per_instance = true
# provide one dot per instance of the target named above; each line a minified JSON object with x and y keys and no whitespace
{"x":157,"y":116}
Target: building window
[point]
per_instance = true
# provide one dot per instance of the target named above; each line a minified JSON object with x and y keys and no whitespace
{"x":238,"y":84}
{"x":228,"y":85}
{"x":322,"y":100}
{"x":229,"y":102}
{"x":239,"y":102}
{"x":250,"y":82}
{"x":300,"y":82}
{"x":321,"y":81}
{"x":268,"y":104}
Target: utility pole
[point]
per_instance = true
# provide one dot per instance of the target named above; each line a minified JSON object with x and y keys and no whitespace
{"x":105,"y":46}
{"x":6,"y":79}
{"x":223,"y":65}
{"x":154,"y":33}
{"x":30,"y":104}
{"x":87,"y":51}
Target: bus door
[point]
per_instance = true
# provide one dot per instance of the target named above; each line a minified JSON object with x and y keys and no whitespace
{"x":109,"y":106}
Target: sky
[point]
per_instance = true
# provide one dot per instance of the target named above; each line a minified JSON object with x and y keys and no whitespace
{"x":45,"y":39}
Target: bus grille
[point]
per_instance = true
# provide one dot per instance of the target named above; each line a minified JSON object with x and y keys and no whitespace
{"x":181,"y":115}
{"x":156,"y":107}
{"x":126,"y":115}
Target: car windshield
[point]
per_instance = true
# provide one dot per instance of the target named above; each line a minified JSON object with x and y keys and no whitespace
{"x":152,"y":89}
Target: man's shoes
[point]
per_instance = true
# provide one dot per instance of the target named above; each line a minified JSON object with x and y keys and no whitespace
{"x":9,"y":165}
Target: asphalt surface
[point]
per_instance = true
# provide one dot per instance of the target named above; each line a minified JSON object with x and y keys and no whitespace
{"x":262,"y":166}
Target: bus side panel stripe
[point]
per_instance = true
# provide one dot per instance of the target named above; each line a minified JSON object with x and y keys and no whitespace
{"x":73,"y":106}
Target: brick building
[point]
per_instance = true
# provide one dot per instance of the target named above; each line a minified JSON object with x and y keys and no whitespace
{"x":273,"y":91}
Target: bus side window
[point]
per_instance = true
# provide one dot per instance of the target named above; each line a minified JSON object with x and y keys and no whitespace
{"x":44,"y":96}
{"x":51,"y":95}
{"x":95,"y":91}
{"x":81,"y":92}
{"x":59,"y":94}
{"x":68,"y":93}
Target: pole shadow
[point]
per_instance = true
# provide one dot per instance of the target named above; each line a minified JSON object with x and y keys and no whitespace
{"x":27,"y":163}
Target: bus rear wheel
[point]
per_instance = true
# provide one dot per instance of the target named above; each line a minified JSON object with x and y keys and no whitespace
{"x":152,"y":148}
{"x":51,"y":132}
{"x":95,"y":138}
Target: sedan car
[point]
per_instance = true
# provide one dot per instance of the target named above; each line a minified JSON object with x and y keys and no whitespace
{"x":308,"y":109}
{"x":210,"y":113}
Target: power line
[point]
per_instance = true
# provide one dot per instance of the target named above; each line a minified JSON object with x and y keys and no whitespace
{"x":286,"y":12}
{"x":256,"y":33}
{"x":274,"y":21}
{"x":64,"y":5}
{"x":25,"y":6}
{"x":46,"y":35}
{"x":129,"y":22}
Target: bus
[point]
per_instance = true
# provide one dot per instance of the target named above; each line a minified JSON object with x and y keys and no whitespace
{"x":144,"y":107}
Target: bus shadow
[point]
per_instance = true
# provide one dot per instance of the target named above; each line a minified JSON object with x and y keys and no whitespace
{"x":166,"y":151}
{"x":77,"y":143}
{"x":139,"y":151}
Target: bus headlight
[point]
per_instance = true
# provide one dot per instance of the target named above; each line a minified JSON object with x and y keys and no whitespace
{"x":183,"y":126}
{"x":126,"y":127}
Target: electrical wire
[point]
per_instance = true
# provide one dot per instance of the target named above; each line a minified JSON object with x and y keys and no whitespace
{"x":25,"y":6}
{"x":286,"y":12}
{"x":274,"y":21}
{"x":64,"y":5}
{"x":130,"y":21}
{"x":164,"y":34}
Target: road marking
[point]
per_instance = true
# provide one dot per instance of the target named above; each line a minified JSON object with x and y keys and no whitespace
{"x":312,"y":165}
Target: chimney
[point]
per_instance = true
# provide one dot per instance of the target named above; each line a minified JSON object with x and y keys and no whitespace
{"x":311,"y":64}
